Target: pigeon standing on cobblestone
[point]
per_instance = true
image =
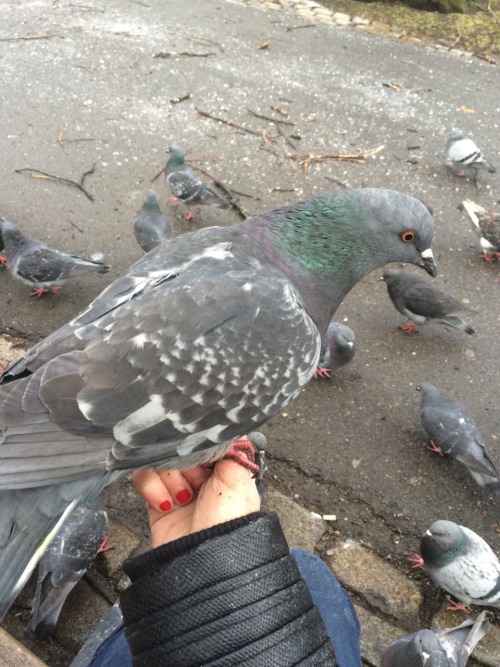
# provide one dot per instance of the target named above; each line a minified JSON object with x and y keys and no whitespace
{"x":458,"y":560}
{"x":202,"y":340}
{"x":439,"y":647}
{"x":151,"y":227}
{"x":64,"y":563}
{"x":187,"y":186}
{"x":337,"y":349}
{"x":487,"y":228}
{"x":464,"y":158}
{"x":39,"y":265}
{"x":452,"y":431}
{"x":420,"y":301}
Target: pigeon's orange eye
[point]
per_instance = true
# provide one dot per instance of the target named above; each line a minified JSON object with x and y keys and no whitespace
{"x":407,"y":236}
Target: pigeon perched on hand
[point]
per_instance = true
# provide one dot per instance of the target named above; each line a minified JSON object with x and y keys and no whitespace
{"x":487,"y":228}
{"x":439,"y":647}
{"x":452,"y":431}
{"x":185,"y":185}
{"x":39,"y":265}
{"x":200,"y":341}
{"x":151,"y":227}
{"x":421,"y":302}
{"x":464,"y":158}
{"x":337,"y":349}
{"x":64,"y":563}
{"x":458,"y":560}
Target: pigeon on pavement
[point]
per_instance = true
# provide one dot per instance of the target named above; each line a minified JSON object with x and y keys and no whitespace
{"x":452,"y":431}
{"x":439,"y":647}
{"x":487,"y":228}
{"x":151,"y":227}
{"x":202,"y":340}
{"x":40,"y":265}
{"x":464,"y":158}
{"x":458,"y":560}
{"x":64,"y":563}
{"x":337,"y":349}
{"x":421,"y":301}
{"x":187,"y":186}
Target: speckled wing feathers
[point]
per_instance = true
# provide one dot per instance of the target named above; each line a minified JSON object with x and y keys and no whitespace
{"x":170,"y":381}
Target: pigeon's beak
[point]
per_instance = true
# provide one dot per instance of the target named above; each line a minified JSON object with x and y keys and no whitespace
{"x":428,"y":533}
{"x":428,"y":262}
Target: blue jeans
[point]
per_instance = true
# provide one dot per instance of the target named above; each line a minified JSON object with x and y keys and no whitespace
{"x":335,"y":607}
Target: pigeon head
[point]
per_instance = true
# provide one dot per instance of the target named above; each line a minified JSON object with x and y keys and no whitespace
{"x":176,"y":158}
{"x":427,"y":644}
{"x":456,"y":134}
{"x":152,"y":202}
{"x":442,"y":543}
{"x":428,"y":390}
{"x":12,"y":236}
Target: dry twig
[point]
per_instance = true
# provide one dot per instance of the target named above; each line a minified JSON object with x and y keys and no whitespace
{"x":36,"y":173}
{"x":227,"y":122}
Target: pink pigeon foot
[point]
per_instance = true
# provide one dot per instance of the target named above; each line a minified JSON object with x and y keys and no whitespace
{"x":103,"y":548}
{"x":3,"y":260}
{"x":322,"y":373}
{"x":189,"y":216}
{"x":242,"y":451}
{"x":458,"y":606}
{"x":408,"y":327}
{"x":432,"y":447}
{"x":417,"y":561}
{"x":39,"y":291}
{"x":173,"y":200}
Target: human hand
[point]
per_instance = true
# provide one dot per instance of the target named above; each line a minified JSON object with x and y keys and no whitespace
{"x":181,"y":503}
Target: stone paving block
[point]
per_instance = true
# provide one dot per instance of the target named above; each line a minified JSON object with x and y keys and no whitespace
{"x":358,"y":20}
{"x":82,"y":611}
{"x":341,"y":19}
{"x":14,"y":654}
{"x":302,"y":528}
{"x":487,"y":652}
{"x":376,"y":635}
{"x":380,"y":583}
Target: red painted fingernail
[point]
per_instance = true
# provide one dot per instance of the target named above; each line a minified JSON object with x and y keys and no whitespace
{"x":183,"y":496}
{"x":165,"y":506}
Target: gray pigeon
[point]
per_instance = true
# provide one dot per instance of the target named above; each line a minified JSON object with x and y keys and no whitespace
{"x":151,"y":227}
{"x":458,"y":560}
{"x":39,"y":265}
{"x":421,"y":302}
{"x":452,"y":431}
{"x":464,"y":158}
{"x":64,"y":563}
{"x":337,"y":349}
{"x":439,"y":647}
{"x":487,"y":228}
{"x":181,"y":355}
{"x":187,"y":186}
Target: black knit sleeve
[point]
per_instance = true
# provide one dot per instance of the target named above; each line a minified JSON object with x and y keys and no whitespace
{"x":231,"y":595}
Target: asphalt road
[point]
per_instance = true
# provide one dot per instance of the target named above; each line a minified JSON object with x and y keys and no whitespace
{"x":84,"y":86}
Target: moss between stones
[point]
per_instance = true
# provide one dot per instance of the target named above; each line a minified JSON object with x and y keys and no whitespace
{"x":477,"y":31}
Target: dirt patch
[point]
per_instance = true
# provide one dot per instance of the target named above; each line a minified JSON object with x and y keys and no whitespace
{"x":478,"y":31}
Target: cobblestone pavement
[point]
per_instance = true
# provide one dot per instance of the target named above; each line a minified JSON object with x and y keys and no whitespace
{"x":125,"y":134}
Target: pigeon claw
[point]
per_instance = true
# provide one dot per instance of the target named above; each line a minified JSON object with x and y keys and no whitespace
{"x":243,"y":452}
{"x":173,"y":200}
{"x":491,"y":259}
{"x":189,"y":216}
{"x":104,"y":546}
{"x":55,"y":289}
{"x":39,"y":291}
{"x":408,"y":327}
{"x":432,"y":447}
{"x":3,"y":260}
{"x":417,"y":561}
{"x":458,"y":606}
{"x":322,"y":373}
